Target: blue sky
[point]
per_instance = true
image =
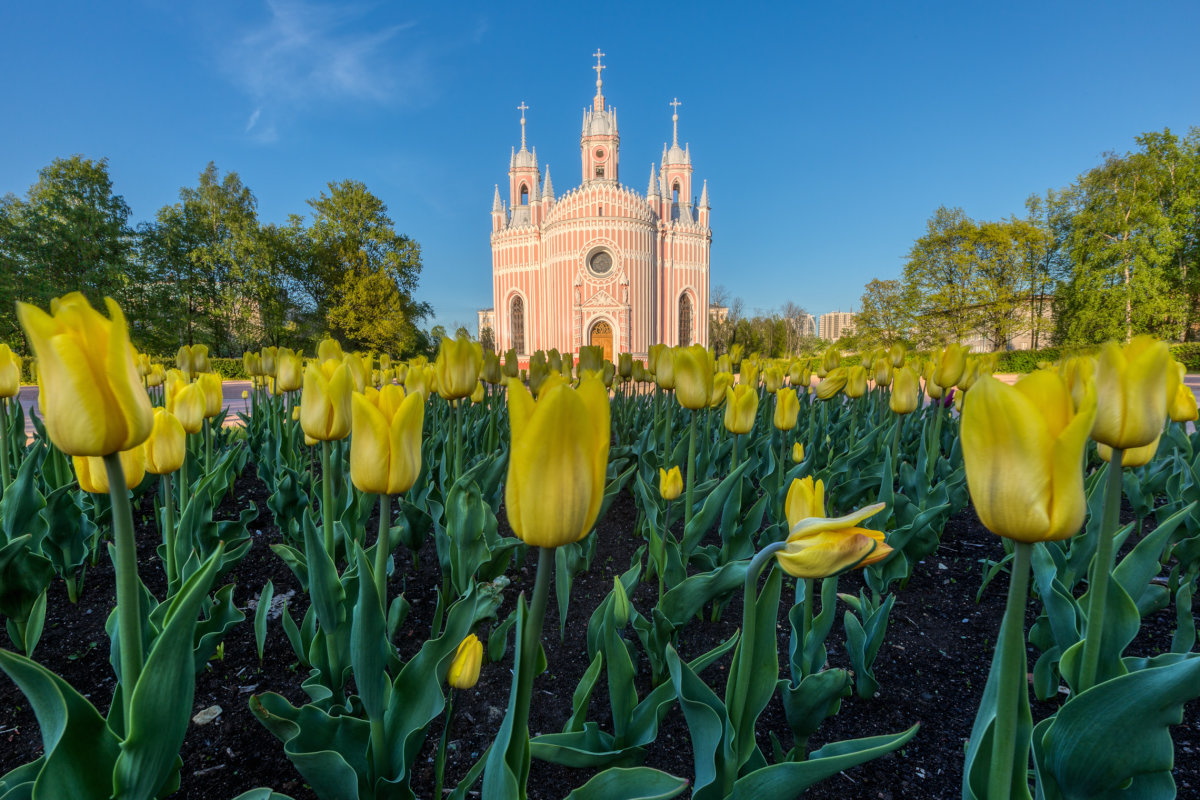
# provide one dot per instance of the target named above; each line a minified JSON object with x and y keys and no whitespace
{"x":828,"y":132}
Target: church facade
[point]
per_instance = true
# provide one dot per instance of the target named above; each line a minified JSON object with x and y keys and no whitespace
{"x":601,"y":264}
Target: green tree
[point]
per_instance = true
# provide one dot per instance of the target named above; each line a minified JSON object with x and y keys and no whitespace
{"x":886,"y":313}
{"x":363,"y":272}
{"x":941,"y":275}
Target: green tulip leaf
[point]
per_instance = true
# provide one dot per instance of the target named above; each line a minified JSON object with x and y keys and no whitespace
{"x":637,"y":783}
{"x":329,"y":751}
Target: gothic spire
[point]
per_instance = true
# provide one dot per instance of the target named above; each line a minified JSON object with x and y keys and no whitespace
{"x":548,"y":191}
{"x":497,"y":206}
{"x":704,"y":195}
{"x":598,"y":102}
{"x":652,"y":189}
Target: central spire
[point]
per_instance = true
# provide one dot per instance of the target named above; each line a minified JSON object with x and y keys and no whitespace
{"x":675,"y":104}
{"x":522,"y":108}
{"x":598,"y":102}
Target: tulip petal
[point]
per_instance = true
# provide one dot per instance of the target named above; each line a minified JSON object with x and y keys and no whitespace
{"x":406,"y":434}
{"x":825,"y":554}
{"x":122,"y":377}
{"x":369,"y":451}
{"x":814,"y":526}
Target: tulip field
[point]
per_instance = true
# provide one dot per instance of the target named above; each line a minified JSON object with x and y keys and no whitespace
{"x":880,"y":576}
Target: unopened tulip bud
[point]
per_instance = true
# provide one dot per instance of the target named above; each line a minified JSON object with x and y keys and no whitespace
{"x":797,"y":452}
{"x":787,"y":409}
{"x":464,"y":668}
{"x":621,"y":607}
{"x":670,"y":483}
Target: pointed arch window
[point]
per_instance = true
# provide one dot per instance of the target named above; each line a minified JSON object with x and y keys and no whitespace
{"x":675,"y":193}
{"x":524,"y":195}
{"x":685,"y":320}
{"x":516,"y":320}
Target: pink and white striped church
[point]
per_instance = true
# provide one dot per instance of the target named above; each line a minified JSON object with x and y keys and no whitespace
{"x":601,"y":264}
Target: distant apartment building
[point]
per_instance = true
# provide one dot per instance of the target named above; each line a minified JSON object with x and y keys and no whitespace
{"x":836,"y":324}
{"x":487,"y":319}
{"x":717,"y":314}
{"x":807,"y":325}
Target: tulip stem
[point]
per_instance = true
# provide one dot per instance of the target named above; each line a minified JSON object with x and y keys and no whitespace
{"x":4,"y":445}
{"x":327,"y":498}
{"x":691,"y":473}
{"x":1102,"y":566}
{"x":531,"y":637}
{"x":734,"y":460}
{"x":439,"y":767}
{"x":129,"y":623}
{"x":383,"y":548}
{"x":1013,"y":689}
{"x":169,"y":532}
{"x":935,"y":449}
{"x":458,"y":439}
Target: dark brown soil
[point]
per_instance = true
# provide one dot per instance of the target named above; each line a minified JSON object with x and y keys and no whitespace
{"x":932,"y":669}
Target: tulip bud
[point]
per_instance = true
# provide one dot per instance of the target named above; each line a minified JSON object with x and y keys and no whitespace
{"x":542,"y":466}
{"x":167,"y":446}
{"x":539,"y":370}
{"x":245,"y":394}
{"x":721,"y":382}
{"x":295,"y":413}
{"x":325,"y":403}
{"x":511,"y":368}
{"x":252,"y":364}
{"x":490,"y":371}
{"x":670,"y":483}
{"x":724,"y":364}
{"x":639,"y":371}
{"x":950,"y":365}
{"x":186,"y":402}
{"x":10,"y":372}
{"x":692,"y":369}
{"x":385,"y":451}
{"x":1181,"y":400}
{"x":883,"y":372}
{"x":625,"y":365}
{"x":93,"y":475}
{"x":741,"y":406}
{"x":787,"y":409}
{"x":477,"y":395}
{"x":736,"y":351}
{"x":904,"y":391}
{"x":664,"y":368}
{"x":464,"y":668}
{"x":269,"y":359}
{"x":289,"y":371}
{"x":773,"y":378}
{"x":1131,"y":393}
{"x":92,"y":398}
{"x":797,"y":452}
{"x":620,"y":607}
{"x":591,"y":358}
{"x":897,"y":355}
{"x":329,"y":350}
{"x":609,"y":373}
{"x":214,"y":397}
{"x":932,"y":389}
{"x":457,"y":367}
{"x":856,"y":381}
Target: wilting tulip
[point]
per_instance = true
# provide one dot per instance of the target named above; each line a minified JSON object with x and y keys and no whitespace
{"x":559,"y":451}
{"x":10,"y":372}
{"x":721,"y":382}
{"x":1131,"y":393}
{"x":787,"y":409}
{"x":797,"y":452}
{"x":214,"y":398}
{"x":819,"y":548}
{"x":904,"y":391}
{"x":385,"y":451}
{"x":329,"y":350}
{"x":856,"y":381}
{"x":950,"y":365}
{"x":166,"y":447}
{"x":490,"y":371}
{"x":1023,"y":447}
{"x":625,"y":365}
{"x":670,"y":483}
{"x":664,"y":368}
{"x":741,"y":406}
{"x":458,"y":364}
{"x":252,"y":364}
{"x":93,"y":476}
{"x":325,"y":403}
{"x":1181,"y":400}
{"x":93,"y":400}
{"x":464,"y":668}
{"x":896,"y":352}
{"x":693,"y":376}
{"x":883,"y":371}
{"x":832,"y":383}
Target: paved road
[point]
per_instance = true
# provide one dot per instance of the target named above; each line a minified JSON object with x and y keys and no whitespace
{"x":234,"y":402}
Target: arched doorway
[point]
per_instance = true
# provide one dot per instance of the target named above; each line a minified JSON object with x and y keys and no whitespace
{"x":602,"y":336}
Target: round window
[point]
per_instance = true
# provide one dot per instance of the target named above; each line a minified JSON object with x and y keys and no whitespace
{"x":600,"y":263}
{"x":599,"y":153}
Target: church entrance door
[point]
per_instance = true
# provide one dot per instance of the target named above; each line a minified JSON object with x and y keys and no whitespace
{"x":602,"y":336}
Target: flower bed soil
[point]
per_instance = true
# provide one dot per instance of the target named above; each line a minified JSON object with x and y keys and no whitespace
{"x":932,"y":669}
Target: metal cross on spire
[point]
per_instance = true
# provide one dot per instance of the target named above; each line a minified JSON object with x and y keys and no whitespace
{"x":598,"y":55}
{"x":522,"y":108}
{"x":675,"y":104}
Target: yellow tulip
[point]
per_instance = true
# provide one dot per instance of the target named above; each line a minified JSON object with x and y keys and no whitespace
{"x":490,"y":370}
{"x":557,"y":461}
{"x":269,"y":358}
{"x":1133,"y":456}
{"x":252,"y":364}
{"x":1131,"y":392}
{"x":142,"y":361}
{"x":358,"y":370}
{"x":458,"y":364}
{"x":805,"y":498}
{"x":1181,"y":400}
{"x":193,"y":360}
{"x":741,"y":405}
{"x":245,"y":394}
{"x":832,"y":383}
{"x":214,"y":398}
{"x":539,"y":370}
{"x":511,"y":367}
{"x":290,"y":371}
{"x":932,"y":389}
{"x":797,"y":452}
{"x":418,"y":381}
{"x":157,"y":376}
{"x":799,"y":375}
{"x":329,"y":350}
{"x":735,"y":353}
{"x":464,"y":668}
{"x":91,"y":394}
{"x":749,"y":374}
{"x":10,"y":372}
{"x":904,"y":391}
{"x":590,"y":358}
{"x":385,"y":451}
{"x":974,"y":368}
{"x":721,"y":382}
{"x":670,"y":483}
{"x":639,"y":372}
{"x":950,"y":365}
{"x":625,"y":365}
{"x":1023,"y":450}
{"x":787,"y":409}
{"x":831,"y":360}
{"x":773,"y":378}
{"x":167,"y":445}
{"x":93,"y":476}
{"x":693,"y":376}
{"x":664,"y":368}
{"x":856,"y":381}
{"x":724,"y":364}
{"x":610,"y":373}
{"x":818,"y":547}
{"x":883,"y":372}
{"x":295,"y":413}
{"x":478,"y":395}
{"x":325,"y":403}
{"x":897,"y":354}
{"x":186,"y":402}
{"x":1078,"y":372}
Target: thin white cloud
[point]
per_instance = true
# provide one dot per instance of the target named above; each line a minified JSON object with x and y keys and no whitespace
{"x":250,"y":123}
